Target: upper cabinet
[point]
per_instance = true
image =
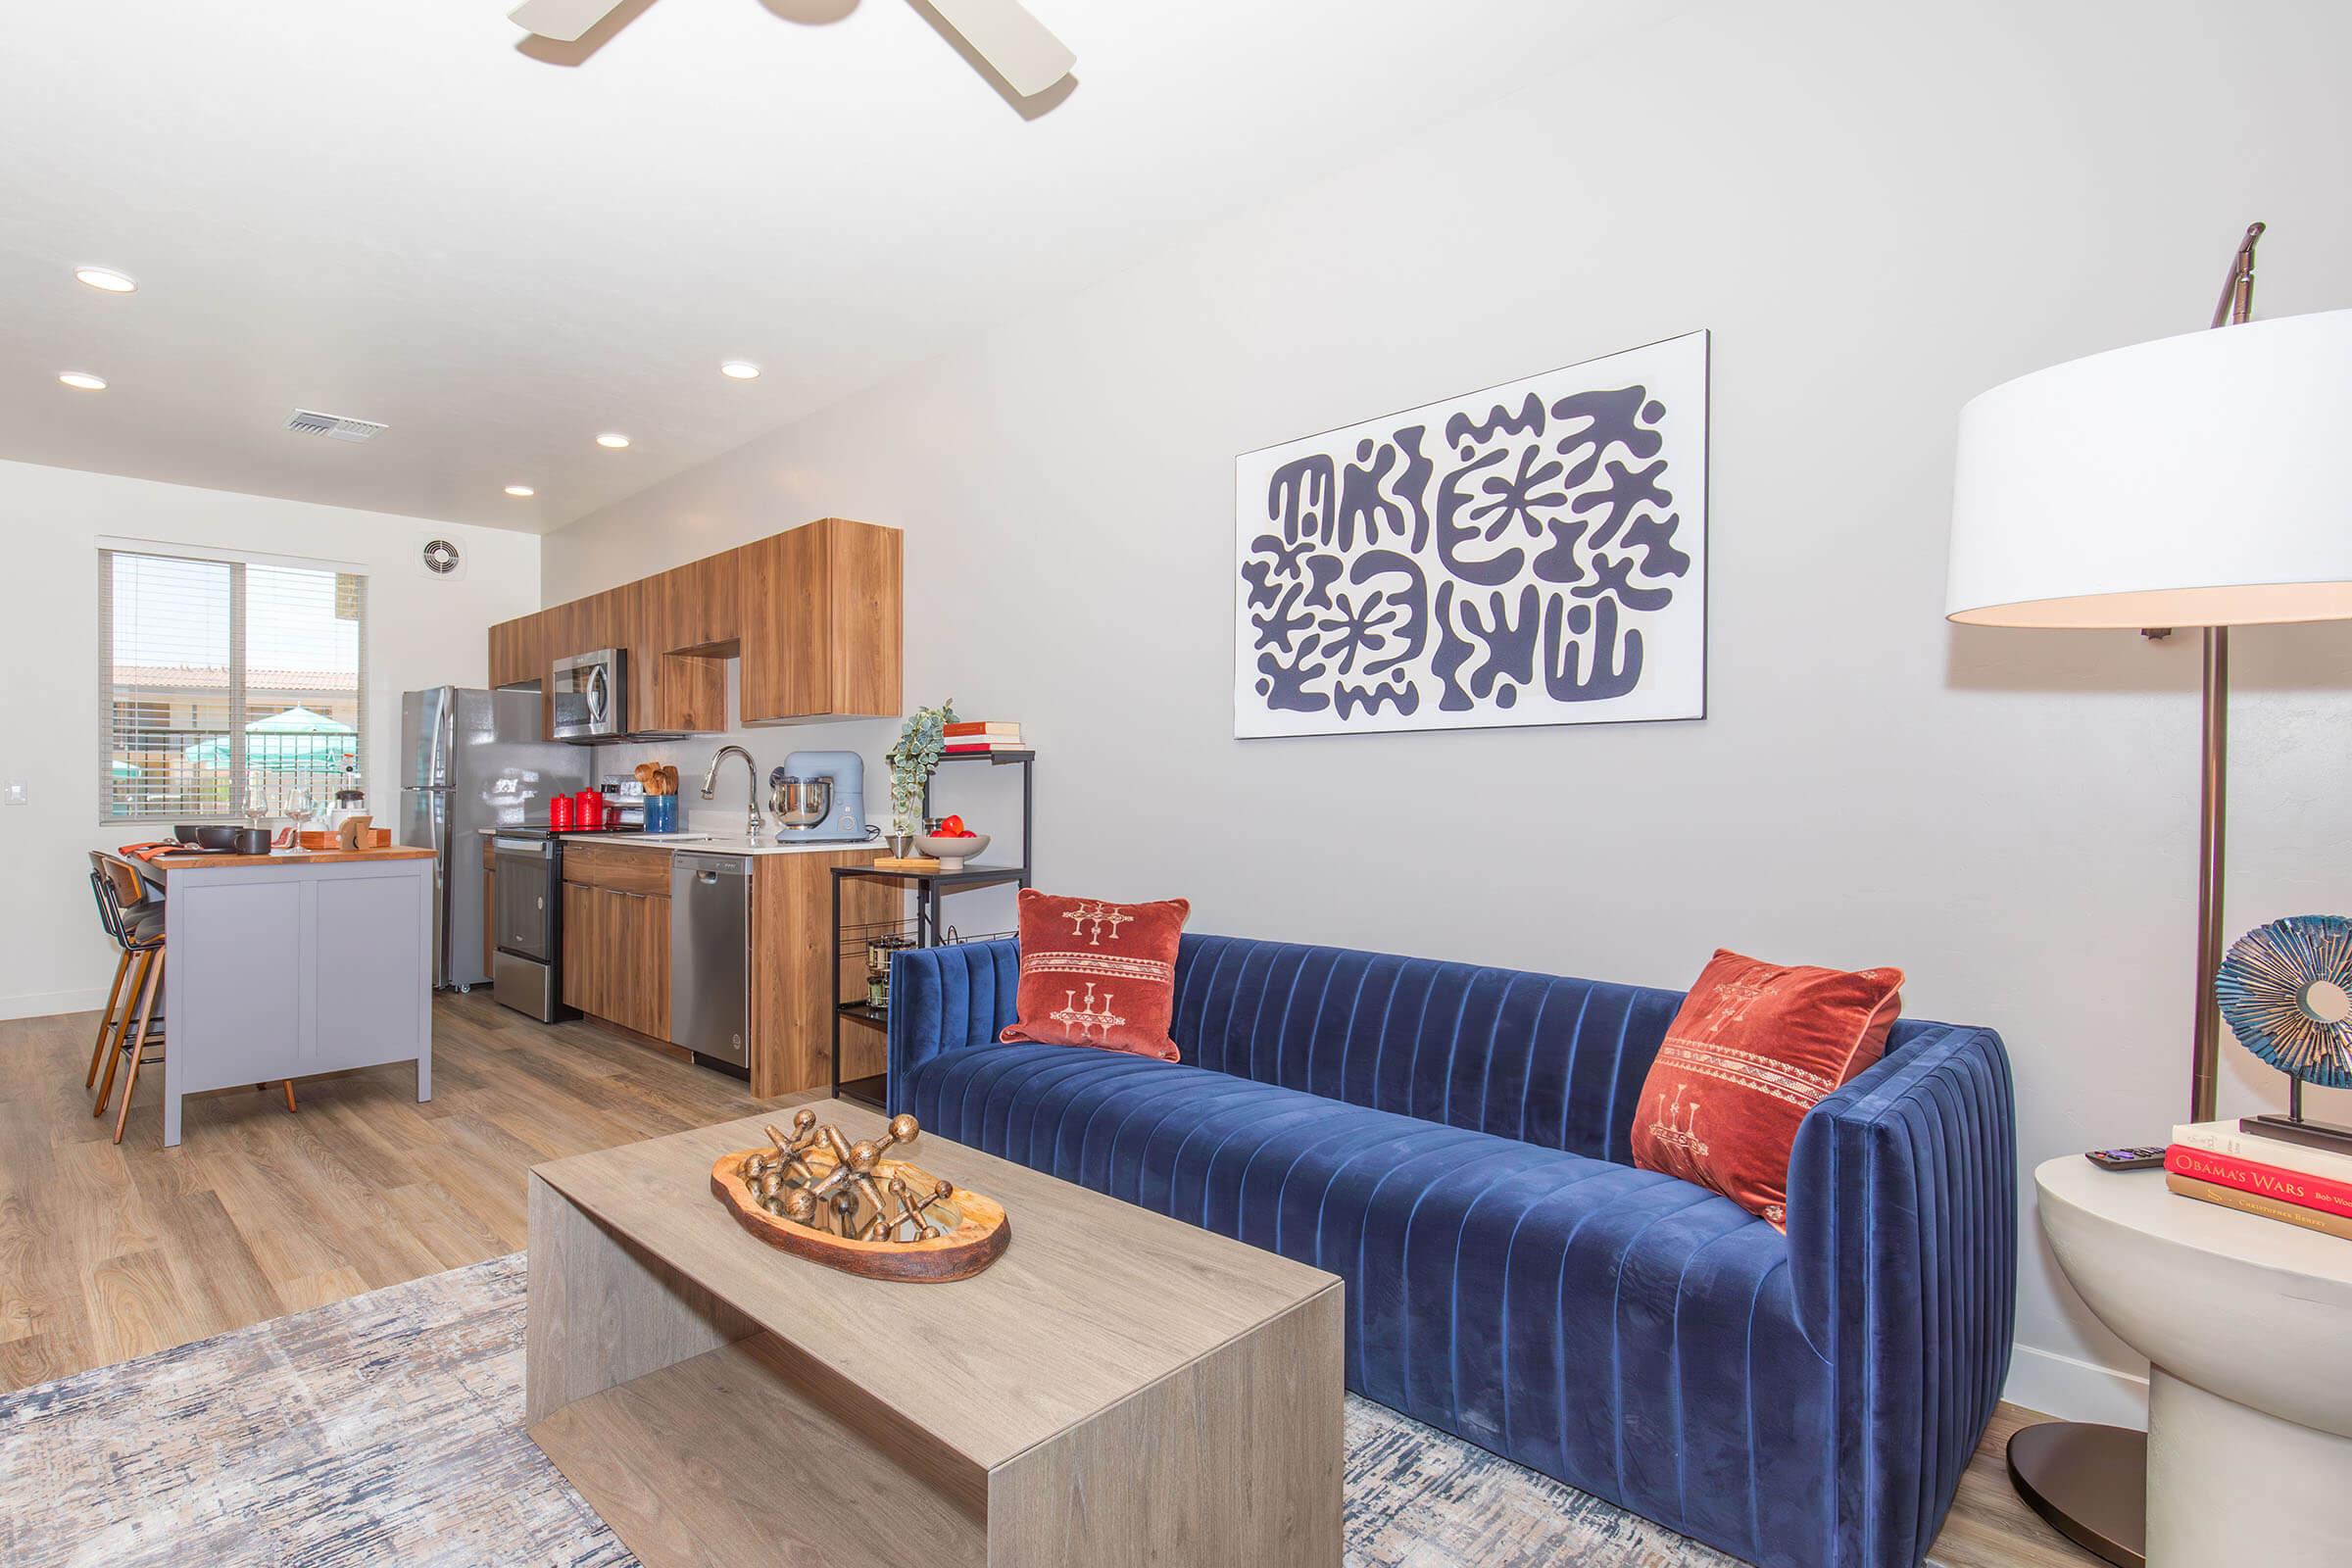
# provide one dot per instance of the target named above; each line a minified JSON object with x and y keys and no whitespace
{"x":518,"y":653}
{"x":821,"y":622}
{"x":696,"y":608}
{"x":687,"y":627}
{"x":813,"y":613}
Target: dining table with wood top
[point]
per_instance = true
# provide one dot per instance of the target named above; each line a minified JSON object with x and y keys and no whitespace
{"x":293,"y":963}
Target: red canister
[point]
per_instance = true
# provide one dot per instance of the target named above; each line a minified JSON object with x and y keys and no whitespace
{"x":592,"y":809}
{"x":559,"y":812}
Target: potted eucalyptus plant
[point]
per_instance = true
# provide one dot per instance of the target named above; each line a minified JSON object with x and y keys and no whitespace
{"x":922,"y":741}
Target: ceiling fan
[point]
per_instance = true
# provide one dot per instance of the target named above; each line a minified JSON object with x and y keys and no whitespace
{"x":1001,"y":31}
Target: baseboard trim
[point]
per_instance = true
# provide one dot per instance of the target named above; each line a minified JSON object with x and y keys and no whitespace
{"x":2075,"y":1390}
{"x":46,"y":1004}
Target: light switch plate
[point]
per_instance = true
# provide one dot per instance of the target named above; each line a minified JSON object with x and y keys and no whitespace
{"x":16,"y":795}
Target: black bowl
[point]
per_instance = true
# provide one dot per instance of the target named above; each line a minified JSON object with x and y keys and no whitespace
{"x":251,"y":841}
{"x":216,"y":835}
{"x":186,"y":832}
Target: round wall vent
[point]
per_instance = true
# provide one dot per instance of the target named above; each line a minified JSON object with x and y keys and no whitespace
{"x":441,"y":557}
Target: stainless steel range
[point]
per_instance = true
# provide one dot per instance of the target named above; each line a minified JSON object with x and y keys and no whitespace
{"x":527,"y":930}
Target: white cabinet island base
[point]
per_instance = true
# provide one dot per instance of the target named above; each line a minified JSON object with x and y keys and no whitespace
{"x":288,"y":965}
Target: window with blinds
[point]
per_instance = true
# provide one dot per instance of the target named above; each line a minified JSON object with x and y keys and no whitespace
{"x":225,"y":687}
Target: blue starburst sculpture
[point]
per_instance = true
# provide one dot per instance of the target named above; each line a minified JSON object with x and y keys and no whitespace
{"x":2285,"y":991}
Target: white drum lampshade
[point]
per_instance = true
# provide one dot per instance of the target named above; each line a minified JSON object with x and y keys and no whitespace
{"x":2203,"y":480}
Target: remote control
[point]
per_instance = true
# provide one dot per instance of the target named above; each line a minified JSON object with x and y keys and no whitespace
{"x":2147,"y":1158}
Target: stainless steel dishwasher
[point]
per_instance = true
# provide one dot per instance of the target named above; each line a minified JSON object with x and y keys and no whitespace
{"x":710,"y":956}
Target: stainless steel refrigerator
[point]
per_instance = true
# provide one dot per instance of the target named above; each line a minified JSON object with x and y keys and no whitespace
{"x":471,"y":760}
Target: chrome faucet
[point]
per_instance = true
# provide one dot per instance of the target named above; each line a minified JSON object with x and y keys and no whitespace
{"x":710,"y":777}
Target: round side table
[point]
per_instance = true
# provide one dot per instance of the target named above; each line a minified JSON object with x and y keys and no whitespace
{"x":2246,"y":1323}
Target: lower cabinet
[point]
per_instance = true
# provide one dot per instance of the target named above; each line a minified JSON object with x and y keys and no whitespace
{"x":617,"y":956}
{"x":792,"y":969}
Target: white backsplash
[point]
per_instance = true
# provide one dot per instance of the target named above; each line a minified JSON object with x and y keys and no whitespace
{"x":989,"y":799}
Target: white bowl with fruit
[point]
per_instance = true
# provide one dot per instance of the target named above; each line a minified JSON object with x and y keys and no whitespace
{"x":950,"y":844}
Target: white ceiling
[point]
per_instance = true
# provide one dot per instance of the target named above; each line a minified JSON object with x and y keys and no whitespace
{"x":408,"y":213}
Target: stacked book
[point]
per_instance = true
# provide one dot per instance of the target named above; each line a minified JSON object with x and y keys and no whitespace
{"x":2215,"y":1162}
{"x":978,"y":740}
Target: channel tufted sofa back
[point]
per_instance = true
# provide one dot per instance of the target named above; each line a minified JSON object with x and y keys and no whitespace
{"x":1541,"y":1058}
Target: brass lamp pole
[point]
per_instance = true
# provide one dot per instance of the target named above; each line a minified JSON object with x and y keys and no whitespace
{"x":2237,"y":305}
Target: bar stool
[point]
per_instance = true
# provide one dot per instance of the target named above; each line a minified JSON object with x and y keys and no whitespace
{"x":135,"y":923}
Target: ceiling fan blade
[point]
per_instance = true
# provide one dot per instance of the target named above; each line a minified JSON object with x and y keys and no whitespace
{"x":563,"y":21}
{"x":1014,"y":44}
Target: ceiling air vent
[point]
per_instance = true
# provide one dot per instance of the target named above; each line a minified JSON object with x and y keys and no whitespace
{"x":307,"y":421}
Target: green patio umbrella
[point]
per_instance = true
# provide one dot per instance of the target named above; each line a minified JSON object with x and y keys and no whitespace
{"x":296,"y":739}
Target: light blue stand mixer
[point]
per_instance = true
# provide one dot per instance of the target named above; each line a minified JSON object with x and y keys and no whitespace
{"x":819,"y":798}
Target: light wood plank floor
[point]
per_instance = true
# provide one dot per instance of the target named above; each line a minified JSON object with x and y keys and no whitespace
{"x":108,"y":1253}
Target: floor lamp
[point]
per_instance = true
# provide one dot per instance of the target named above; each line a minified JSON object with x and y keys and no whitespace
{"x":2203,"y":481}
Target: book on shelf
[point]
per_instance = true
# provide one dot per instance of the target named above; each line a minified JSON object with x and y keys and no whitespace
{"x":2310,"y":1219}
{"x":2226,"y":1138}
{"x":989,"y":727}
{"x":2279,"y":1185}
{"x":981,"y":749}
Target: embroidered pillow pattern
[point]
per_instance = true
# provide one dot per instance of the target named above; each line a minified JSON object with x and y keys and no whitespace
{"x":1097,"y":974}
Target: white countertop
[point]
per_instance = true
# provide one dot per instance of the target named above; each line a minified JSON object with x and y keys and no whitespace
{"x":716,"y":843}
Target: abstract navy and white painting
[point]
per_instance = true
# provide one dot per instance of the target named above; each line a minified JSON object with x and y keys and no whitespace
{"x":1532,"y":554}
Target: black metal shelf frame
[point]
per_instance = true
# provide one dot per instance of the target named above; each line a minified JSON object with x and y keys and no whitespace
{"x":930,"y":888}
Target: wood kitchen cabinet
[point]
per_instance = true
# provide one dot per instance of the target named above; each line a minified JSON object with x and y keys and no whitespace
{"x":616,"y":957}
{"x":617,"y":936}
{"x":791,"y":979}
{"x":606,"y":620}
{"x":686,"y":629}
{"x":518,"y":651}
{"x":616,"y":967}
{"x":821,"y":622}
{"x":696,"y":608}
{"x":813,"y":613}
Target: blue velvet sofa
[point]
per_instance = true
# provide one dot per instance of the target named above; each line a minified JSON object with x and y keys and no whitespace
{"x":1454,"y":1142}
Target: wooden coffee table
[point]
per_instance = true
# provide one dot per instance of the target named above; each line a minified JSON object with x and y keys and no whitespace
{"x":1120,"y":1389}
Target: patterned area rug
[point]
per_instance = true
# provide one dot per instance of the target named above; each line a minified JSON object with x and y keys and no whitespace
{"x":387,"y":1428}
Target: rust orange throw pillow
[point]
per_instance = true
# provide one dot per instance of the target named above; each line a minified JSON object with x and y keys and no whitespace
{"x":1756,"y":1046}
{"x":1097,"y":974}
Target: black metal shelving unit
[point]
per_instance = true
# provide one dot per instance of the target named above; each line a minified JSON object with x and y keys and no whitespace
{"x":929,"y":928}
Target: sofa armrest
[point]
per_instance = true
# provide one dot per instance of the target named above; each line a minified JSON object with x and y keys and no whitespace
{"x":1902,"y":1252}
{"x":946,"y":998}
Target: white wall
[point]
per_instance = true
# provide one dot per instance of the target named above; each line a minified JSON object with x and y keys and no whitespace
{"x":421,"y":630}
{"x":1879,"y":211}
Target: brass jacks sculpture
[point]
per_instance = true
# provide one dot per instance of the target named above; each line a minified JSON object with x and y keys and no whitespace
{"x":845,"y":1198}
{"x":819,"y":1195}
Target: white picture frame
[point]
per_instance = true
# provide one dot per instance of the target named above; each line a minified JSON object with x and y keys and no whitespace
{"x":1534,"y":553}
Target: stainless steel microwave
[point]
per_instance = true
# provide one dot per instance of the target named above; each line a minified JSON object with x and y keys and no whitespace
{"x":592,"y":696}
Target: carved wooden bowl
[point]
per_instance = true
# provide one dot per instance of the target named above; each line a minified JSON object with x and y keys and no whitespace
{"x":977,"y":1239}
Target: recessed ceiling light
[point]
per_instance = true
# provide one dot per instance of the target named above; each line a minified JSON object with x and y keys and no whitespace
{"x":84,"y":380}
{"x":107,"y":279}
{"x":740,"y":370}
{"x":520,"y":492}
{"x":612,"y":439}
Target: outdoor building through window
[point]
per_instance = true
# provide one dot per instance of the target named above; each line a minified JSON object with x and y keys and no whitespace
{"x":227,"y":687}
